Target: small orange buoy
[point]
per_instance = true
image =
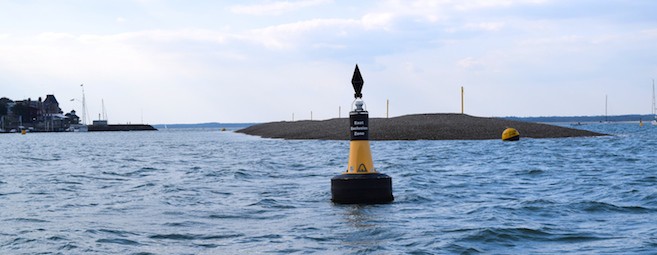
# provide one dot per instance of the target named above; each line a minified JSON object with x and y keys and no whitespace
{"x":510,"y":134}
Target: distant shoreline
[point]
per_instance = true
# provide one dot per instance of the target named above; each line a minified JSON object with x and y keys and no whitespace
{"x":434,"y":126}
{"x":587,"y":119}
{"x":205,"y":125}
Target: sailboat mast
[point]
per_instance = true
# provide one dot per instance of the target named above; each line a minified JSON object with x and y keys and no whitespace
{"x":102,"y":101}
{"x":654,"y":106}
{"x":84,"y":107}
{"x":606,"y":108}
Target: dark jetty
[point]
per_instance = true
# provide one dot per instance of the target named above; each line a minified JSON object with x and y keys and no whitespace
{"x":126,"y":127}
{"x":414,"y":127}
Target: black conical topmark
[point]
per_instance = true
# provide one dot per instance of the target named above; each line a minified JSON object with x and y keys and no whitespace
{"x":357,"y":81}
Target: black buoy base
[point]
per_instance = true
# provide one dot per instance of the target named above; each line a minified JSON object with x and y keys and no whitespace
{"x":375,"y":188}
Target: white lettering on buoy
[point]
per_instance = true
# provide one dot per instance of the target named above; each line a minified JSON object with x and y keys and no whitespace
{"x":356,"y":122}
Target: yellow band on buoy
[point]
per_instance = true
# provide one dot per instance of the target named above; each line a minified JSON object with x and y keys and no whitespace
{"x":360,"y":158}
{"x":510,"y":134}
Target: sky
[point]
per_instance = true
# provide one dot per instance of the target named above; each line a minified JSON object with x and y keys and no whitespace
{"x":173,"y":61}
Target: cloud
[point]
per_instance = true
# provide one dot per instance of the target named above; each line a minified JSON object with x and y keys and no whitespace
{"x":290,"y":35}
{"x":275,"y":8}
{"x":487,"y":26}
{"x":417,"y":53}
{"x":483,"y":4}
{"x":377,"y":20}
{"x":470,"y":63}
{"x":286,"y":36}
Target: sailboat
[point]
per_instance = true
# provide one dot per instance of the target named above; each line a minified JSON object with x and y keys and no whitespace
{"x":81,"y":127}
{"x":654,"y":105}
{"x":606,"y":118}
{"x":102,"y":119}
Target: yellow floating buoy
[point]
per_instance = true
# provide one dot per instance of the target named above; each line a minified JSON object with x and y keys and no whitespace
{"x":510,"y":134}
{"x":360,"y":183}
{"x":223,"y":129}
{"x":23,"y":132}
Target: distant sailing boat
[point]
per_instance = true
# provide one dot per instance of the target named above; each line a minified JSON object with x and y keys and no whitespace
{"x":102,"y":119}
{"x":606,"y":118}
{"x":81,"y":127}
{"x":654,"y":105}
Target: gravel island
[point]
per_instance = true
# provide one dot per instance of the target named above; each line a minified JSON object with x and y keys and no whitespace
{"x":434,"y":126}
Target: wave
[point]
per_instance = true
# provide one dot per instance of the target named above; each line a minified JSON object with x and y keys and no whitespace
{"x":29,"y":220}
{"x":193,"y":236}
{"x":602,"y":207}
{"x":142,"y":172}
{"x":512,"y":236}
{"x":120,"y":241}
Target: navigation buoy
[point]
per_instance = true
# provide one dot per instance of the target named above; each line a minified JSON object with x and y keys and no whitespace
{"x":361,"y":183}
{"x":23,"y":132}
{"x":510,"y":134}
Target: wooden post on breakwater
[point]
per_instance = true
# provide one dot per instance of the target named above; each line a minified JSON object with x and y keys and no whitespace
{"x":387,"y":107}
{"x":462,"y":104}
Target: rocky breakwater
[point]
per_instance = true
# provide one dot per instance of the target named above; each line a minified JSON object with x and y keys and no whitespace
{"x":435,"y":126}
{"x":119,"y":127}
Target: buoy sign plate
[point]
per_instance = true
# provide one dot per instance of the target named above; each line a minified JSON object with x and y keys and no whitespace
{"x":359,"y":125}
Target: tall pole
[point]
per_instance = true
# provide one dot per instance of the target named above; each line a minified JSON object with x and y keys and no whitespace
{"x":606,"y":108}
{"x":654,"y":106}
{"x":102,"y":101}
{"x":84,"y":107}
{"x":462,"y":108}
{"x":387,"y":108}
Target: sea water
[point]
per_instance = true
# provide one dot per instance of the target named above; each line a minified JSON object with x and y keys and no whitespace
{"x":203,"y":191}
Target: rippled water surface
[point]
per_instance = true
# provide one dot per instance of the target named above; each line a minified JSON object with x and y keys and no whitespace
{"x":192,"y":191}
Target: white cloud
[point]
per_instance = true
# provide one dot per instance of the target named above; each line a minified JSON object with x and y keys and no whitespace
{"x":203,"y":35}
{"x":275,"y":8}
{"x":329,"y":46}
{"x":559,"y":39}
{"x":487,"y":26}
{"x":481,"y":4}
{"x":271,"y":67}
{"x":649,"y":32}
{"x":470,"y":63}
{"x":52,"y":37}
{"x":286,"y":36}
{"x":377,"y":20}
